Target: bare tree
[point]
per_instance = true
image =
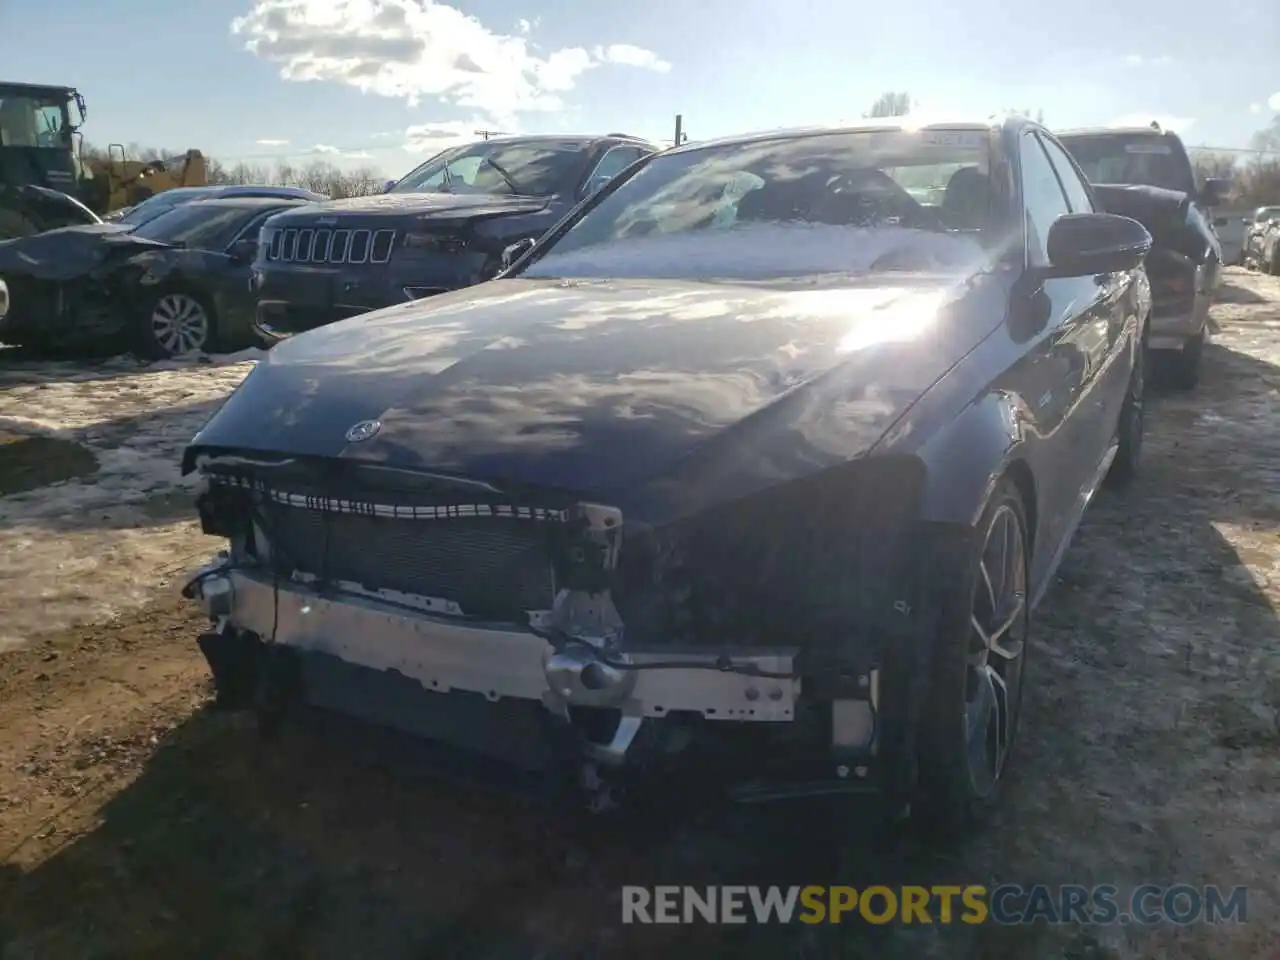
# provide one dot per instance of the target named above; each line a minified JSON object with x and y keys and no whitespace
{"x":318,"y":176}
{"x":1259,"y":179}
{"x":1269,"y":137}
{"x":1210,"y":163}
{"x":890,"y":104}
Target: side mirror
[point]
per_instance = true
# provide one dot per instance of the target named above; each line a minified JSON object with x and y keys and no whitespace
{"x":1086,"y":244}
{"x":515,"y":251}
{"x":1214,"y":191}
{"x":386,"y":187}
{"x":244,"y":250}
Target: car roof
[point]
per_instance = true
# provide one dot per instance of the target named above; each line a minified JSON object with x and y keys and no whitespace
{"x":576,"y":139}
{"x":250,"y":203}
{"x":1113,"y":132}
{"x":261,"y":190}
{"x":182,"y":192}
{"x":886,"y":125}
{"x":14,"y":87}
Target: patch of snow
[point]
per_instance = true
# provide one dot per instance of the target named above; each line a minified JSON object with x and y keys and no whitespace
{"x":85,"y":549}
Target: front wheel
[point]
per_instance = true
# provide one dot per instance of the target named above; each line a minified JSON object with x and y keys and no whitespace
{"x":969,"y":721}
{"x":177,"y":322}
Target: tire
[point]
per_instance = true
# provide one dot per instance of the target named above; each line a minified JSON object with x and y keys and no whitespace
{"x":1184,"y":369}
{"x":1131,"y":428}
{"x":176,"y":321}
{"x":969,"y":720}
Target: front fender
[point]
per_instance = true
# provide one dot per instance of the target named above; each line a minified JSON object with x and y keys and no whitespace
{"x":965,"y":460}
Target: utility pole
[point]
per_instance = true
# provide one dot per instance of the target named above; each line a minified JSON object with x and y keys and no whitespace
{"x":486,"y":134}
{"x":681,"y":136}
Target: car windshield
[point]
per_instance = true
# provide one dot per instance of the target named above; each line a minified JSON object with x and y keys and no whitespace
{"x":1265,"y":214}
{"x":1152,"y":161}
{"x":152,"y":207}
{"x":533,"y":168}
{"x":204,"y":226}
{"x":841,"y":203}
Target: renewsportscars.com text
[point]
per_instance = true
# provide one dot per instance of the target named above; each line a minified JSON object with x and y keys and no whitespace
{"x":1008,"y":904}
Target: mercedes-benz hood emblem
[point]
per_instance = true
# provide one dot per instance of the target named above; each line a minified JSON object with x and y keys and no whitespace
{"x":363,"y":430}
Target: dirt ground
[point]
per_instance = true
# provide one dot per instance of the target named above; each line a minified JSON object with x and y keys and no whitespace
{"x":136,"y":822}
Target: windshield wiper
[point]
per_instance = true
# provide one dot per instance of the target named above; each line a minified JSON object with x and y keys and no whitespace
{"x":503,"y":174}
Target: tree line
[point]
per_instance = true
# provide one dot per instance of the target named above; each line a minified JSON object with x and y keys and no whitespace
{"x":318,"y":176}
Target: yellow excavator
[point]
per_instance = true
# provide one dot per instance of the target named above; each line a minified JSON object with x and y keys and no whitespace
{"x":45,"y":182}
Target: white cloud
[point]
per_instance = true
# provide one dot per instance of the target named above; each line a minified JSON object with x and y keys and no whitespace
{"x":434,"y":137}
{"x":272,"y":143}
{"x":1274,"y":101}
{"x":1138,"y":60}
{"x":328,"y":150}
{"x":631,"y":56}
{"x":524,"y":26}
{"x":415,"y":48}
{"x":1166,"y":121}
{"x":1255,"y":108}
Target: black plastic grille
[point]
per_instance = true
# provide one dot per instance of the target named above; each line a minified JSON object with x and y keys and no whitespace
{"x":490,"y":566}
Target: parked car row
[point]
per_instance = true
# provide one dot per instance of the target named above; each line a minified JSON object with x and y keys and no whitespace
{"x":444,"y":226}
{"x":752,"y":468}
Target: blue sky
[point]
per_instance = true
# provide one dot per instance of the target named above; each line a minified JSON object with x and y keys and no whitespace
{"x":385,"y":81}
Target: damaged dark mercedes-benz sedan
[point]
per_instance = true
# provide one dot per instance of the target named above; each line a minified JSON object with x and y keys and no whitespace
{"x":756,"y":464}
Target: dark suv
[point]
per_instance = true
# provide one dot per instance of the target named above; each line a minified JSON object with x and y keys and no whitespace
{"x":444,"y":226}
{"x":1185,"y":265}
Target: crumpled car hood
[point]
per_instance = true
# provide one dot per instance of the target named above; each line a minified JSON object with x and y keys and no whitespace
{"x":69,"y":252}
{"x":640,"y":390}
{"x":1163,"y":212}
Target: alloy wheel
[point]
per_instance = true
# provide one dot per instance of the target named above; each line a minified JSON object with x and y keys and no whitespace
{"x":179,"y":324}
{"x":996,"y":654}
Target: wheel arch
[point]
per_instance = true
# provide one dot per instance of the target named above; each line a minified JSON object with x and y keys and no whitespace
{"x":1019,"y":471}
{"x":968,"y":457}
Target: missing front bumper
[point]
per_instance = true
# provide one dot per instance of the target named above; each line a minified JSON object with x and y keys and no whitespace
{"x":513,"y":670}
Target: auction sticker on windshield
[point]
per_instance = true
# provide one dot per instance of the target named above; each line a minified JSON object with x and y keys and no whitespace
{"x":964,"y":139}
